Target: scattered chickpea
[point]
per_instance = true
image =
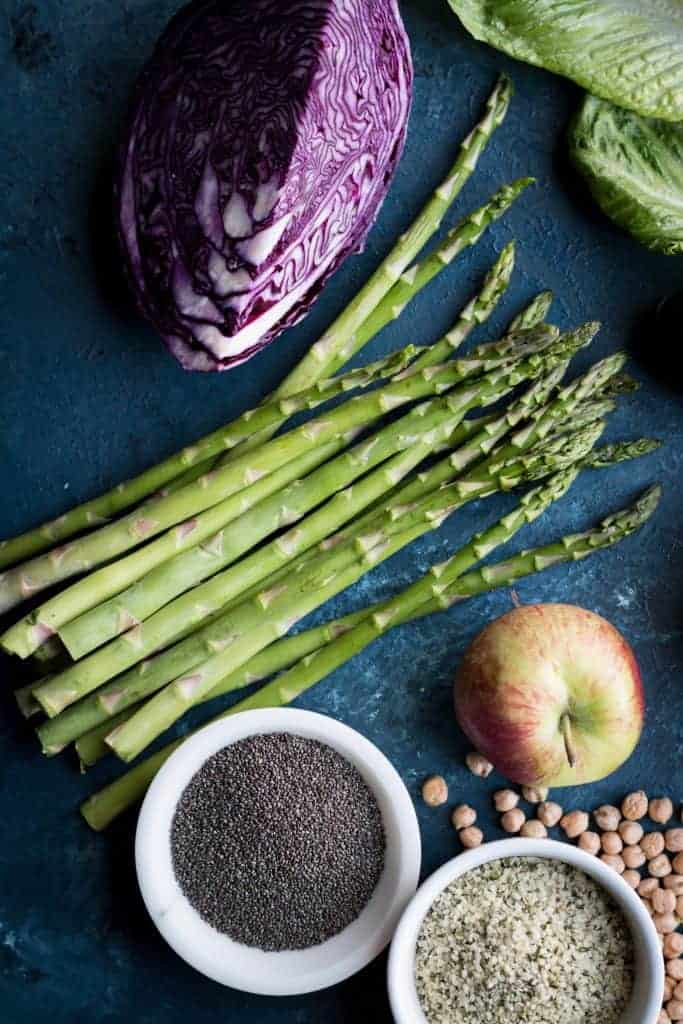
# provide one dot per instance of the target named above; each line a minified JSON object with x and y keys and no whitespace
{"x":613,"y":861}
{"x":533,"y":829}
{"x":674,"y":840}
{"x":660,"y":809}
{"x":675,"y":1009}
{"x":678,"y":863}
{"x":652,"y":844}
{"x":665,"y":923}
{"x":574,"y":823}
{"x":634,"y":806}
{"x":673,"y":945}
{"x":664,"y":901}
{"x":505,"y":799}
{"x":463,"y":816}
{"x":675,"y":883}
{"x":513,"y":820}
{"x":435,"y":791}
{"x":607,"y":818}
{"x":647,"y":887}
{"x":611,"y":842}
{"x":631,"y":878}
{"x":669,"y":988}
{"x":471,"y":837}
{"x":648,"y":905}
{"x":633,"y":857}
{"x":660,"y":866}
{"x":631,"y":832}
{"x":679,"y":907}
{"x":674,"y":968}
{"x":678,"y":991}
{"x":535,"y":794}
{"x":549,"y":813}
{"x":478,"y":765}
{"x":590,"y":842}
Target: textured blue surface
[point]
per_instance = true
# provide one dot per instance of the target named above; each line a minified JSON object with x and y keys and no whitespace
{"x":88,"y":396}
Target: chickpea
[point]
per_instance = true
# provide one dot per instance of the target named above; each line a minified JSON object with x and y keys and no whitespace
{"x":665,"y":923}
{"x":574,"y":823}
{"x":513,"y":820}
{"x":535,"y":794}
{"x":613,"y":861}
{"x":631,"y":832}
{"x":675,"y":883}
{"x":664,"y":901}
{"x":652,"y":844}
{"x":675,"y":1009}
{"x":607,"y":818}
{"x":631,"y":878}
{"x":679,"y":907}
{"x":549,"y":813}
{"x":660,"y":866}
{"x":669,"y":989}
{"x":647,"y":887}
{"x":673,"y":945}
{"x":478,"y":765}
{"x":533,"y":829}
{"x":590,"y":842}
{"x":471,"y":837}
{"x":463,"y":816}
{"x":660,"y":809}
{"x":634,"y":806}
{"x":505,"y":800}
{"x":663,"y":1018}
{"x":435,"y":791}
{"x":611,"y":842}
{"x":678,"y":863}
{"x":674,"y":968}
{"x":648,"y":906}
{"x":678,"y":991}
{"x":633,"y":857}
{"x":674,"y":840}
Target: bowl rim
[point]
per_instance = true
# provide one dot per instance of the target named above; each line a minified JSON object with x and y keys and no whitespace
{"x":405,"y":1005}
{"x":245,"y":968}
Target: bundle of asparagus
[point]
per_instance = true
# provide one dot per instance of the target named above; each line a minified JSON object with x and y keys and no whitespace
{"x":218,"y":552}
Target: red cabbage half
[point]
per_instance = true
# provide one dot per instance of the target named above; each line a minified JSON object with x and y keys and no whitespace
{"x":262,"y":141}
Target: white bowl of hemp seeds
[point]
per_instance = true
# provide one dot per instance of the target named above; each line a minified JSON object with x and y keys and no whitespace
{"x":276,"y":851}
{"x":530,"y":931}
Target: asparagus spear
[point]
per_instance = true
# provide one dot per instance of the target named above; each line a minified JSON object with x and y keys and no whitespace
{"x":161,"y":513}
{"x":166,"y":624}
{"x":467,"y":232}
{"x":533,"y":314}
{"x":103,"y":807}
{"x":338,"y":338}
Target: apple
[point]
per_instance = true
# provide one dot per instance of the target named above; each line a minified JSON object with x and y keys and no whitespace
{"x":551,"y":694}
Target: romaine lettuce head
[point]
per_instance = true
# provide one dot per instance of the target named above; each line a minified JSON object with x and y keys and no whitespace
{"x":634,"y":166}
{"x":627,"y":51}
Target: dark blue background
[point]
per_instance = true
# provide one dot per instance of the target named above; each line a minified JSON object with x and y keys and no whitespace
{"x":88,"y":396}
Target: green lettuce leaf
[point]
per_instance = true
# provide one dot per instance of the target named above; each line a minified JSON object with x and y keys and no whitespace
{"x":627,"y":51}
{"x":634,"y":166}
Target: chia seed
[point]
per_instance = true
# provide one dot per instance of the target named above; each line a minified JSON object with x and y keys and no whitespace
{"x":278,"y":842}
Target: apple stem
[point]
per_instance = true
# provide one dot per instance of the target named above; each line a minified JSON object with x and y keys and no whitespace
{"x":566,"y":726}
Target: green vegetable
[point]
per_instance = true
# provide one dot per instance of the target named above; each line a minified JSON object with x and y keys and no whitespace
{"x":627,"y":51}
{"x":634,"y":167}
{"x":105,"y":806}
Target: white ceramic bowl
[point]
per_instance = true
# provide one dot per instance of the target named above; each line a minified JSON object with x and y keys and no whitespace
{"x":242,"y":967}
{"x":646,"y":1000}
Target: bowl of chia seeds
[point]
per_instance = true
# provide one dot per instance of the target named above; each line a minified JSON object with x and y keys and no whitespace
{"x":276,"y":851}
{"x":525,"y":930}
